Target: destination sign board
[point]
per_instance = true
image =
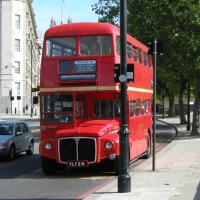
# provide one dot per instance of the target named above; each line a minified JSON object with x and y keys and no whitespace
{"x":84,"y":66}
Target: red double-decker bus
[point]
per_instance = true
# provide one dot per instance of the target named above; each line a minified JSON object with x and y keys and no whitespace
{"x":80,"y":96}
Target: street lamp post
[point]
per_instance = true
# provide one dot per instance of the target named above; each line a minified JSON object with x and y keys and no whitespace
{"x":31,"y":77}
{"x":124,"y":179}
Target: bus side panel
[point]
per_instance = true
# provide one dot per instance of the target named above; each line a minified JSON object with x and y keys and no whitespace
{"x":132,"y":138}
{"x":49,"y":78}
{"x":138,"y":127}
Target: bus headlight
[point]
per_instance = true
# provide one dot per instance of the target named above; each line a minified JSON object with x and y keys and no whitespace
{"x":108,"y":145}
{"x":48,"y":146}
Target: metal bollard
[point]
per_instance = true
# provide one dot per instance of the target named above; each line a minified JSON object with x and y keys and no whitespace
{"x":6,"y":110}
{"x":35,"y":112}
{"x":15,"y":110}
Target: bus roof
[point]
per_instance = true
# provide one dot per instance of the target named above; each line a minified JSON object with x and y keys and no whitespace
{"x":89,"y":28}
{"x":82,"y":28}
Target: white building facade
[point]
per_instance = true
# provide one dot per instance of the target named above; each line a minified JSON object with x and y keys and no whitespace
{"x":19,"y":56}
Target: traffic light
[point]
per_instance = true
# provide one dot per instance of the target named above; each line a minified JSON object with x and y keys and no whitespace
{"x":160,"y":47}
{"x":35,"y":100}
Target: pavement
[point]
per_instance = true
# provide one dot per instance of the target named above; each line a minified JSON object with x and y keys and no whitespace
{"x":176,"y":174}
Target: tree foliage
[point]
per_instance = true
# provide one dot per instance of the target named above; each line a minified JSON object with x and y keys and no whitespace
{"x":176,"y":22}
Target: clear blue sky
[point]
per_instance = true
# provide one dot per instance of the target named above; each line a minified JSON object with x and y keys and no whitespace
{"x":78,"y":10}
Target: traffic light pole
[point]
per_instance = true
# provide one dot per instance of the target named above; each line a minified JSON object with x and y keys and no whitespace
{"x":154,"y":103}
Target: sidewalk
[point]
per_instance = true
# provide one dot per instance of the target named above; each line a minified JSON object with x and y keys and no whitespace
{"x":176,"y":175}
{"x":4,"y":116}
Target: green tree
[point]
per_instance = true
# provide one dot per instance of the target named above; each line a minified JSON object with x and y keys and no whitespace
{"x":177,"y":23}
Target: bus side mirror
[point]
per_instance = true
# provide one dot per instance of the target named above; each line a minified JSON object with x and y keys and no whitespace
{"x":35,"y":100}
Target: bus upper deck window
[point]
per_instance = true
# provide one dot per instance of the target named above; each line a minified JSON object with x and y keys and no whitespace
{"x":95,"y":45}
{"x":129,"y":51}
{"x":61,"y":47}
{"x":118,"y":45}
{"x":145,"y":59}
{"x":140,"y":55}
{"x":135,"y":54}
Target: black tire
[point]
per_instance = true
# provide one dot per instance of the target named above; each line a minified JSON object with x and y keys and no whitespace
{"x":148,"y":152}
{"x":31,"y":148}
{"x":11,"y":153}
{"x":49,"y":166}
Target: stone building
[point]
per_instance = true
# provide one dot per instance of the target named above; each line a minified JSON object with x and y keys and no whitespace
{"x":19,"y":56}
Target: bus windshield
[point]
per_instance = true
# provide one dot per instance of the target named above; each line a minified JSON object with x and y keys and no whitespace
{"x":59,"y":108}
{"x":61,"y":46}
{"x":89,"y":45}
{"x":95,"y":45}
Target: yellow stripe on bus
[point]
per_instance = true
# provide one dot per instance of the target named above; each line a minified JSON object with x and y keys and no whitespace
{"x":93,"y":88}
{"x":134,"y":89}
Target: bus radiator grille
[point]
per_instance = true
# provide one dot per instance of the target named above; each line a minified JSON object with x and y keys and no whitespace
{"x":77,"y":149}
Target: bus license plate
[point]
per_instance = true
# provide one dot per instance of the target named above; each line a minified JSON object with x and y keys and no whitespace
{"x":77,"y":163}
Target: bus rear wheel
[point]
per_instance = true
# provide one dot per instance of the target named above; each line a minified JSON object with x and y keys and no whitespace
{"x":49,"y":166}
{"x":148,"y":152}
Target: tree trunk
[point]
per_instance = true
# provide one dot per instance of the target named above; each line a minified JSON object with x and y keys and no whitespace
{"x":181,"y":106}
{"x":171,"y":106}
{"x":195,"y":123}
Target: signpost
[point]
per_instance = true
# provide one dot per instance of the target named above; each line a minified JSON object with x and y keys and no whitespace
{"x":11,"y":98}
{"x":154,"y":48}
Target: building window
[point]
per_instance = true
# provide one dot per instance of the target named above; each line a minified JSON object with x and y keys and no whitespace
{"x":17,"y":45}
{"x":17,"y":21}
{"x":17,"y":67}
{"x":17,"y":89}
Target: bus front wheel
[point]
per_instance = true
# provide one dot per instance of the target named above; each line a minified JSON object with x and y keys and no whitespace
{"x":49,"y":166}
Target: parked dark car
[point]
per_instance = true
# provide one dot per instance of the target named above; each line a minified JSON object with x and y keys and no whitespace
{"x":15,"y":137}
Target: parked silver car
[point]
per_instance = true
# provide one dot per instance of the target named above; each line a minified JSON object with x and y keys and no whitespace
{"x":15,"y":137}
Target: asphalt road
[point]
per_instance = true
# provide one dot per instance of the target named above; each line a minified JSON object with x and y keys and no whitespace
{"x":24,"y":179}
